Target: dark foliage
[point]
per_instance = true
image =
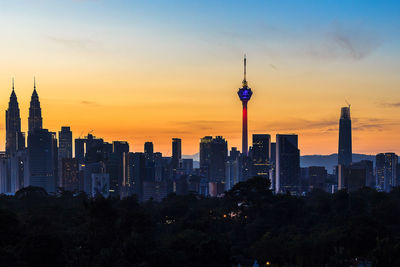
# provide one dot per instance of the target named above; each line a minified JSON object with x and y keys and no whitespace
{"x":248,"y":223}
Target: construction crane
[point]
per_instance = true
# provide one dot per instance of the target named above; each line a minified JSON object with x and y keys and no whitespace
{"x":348,"y":103}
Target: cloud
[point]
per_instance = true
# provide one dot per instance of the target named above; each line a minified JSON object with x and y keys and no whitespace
{"x":354,"y":42}
{"x":205,"y":125}
{"x":327,"y":125}
{"x":74,"y":43}
{"x":296,"y":124}
{"x":90,"y":103}
{"x":389,"y":105}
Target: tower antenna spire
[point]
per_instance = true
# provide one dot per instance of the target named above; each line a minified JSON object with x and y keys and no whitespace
{"x":244,"y":63}
{"x":34,"y":82}
{"x":13,"y":83}
{"x":244,"y":83}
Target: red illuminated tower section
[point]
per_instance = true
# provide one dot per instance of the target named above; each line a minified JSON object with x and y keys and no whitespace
{"x":244,"y":95}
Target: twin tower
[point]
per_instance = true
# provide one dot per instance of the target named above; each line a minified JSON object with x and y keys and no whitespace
{"x":15,"y":139}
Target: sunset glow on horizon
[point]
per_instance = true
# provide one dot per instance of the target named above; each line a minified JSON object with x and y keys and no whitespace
{"x":139,"y":72}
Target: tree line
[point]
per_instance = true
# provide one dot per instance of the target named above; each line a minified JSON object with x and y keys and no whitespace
{"x":248,"y":223}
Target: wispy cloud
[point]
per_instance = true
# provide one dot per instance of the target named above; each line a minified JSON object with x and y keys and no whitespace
{"x":89,"y":103}
{"x":296,"y":124}
{"x":327,"y":125}
{"x":75,"y":43}
{"x":354,"y":42}
{"x":389,"y":104}
{"x":202,"y":125}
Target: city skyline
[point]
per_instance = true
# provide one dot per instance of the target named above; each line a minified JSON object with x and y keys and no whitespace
{"x":160,"y":88}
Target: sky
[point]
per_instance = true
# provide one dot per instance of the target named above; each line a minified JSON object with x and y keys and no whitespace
{"x":155,"y":70}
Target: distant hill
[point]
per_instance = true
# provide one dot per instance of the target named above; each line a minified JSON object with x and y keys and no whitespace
{"x":330,"y":161}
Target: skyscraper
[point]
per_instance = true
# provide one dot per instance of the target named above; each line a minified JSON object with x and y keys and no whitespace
{"x":15,"y":140}
{"x":287,"y":163}
{"x":261,"y":154}
{"x":70,"y":174}
{"x":42,"y":159}
{"x":148,"y":151}
{"x":80,"y":150}
{"x":64,"y":143}
{"x":244,"y":95}
{"x":345,"y":148}
{"x":119,"y":149}
{"x":213,"y":156}
{"x":176,"y":152}
{"x":386,"y":171}
{"x":35,"y":112}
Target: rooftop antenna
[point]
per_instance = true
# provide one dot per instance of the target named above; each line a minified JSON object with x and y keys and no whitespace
{"x":13,"y":83}
{"x":244,"y":66}
{"x":244,"y":72}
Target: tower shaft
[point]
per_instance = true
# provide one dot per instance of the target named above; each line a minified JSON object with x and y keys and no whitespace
{"x":244,"y":129}
{"x":244,"y":94}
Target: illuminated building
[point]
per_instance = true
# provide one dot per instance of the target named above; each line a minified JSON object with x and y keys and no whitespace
{"x":70,"y":174}
{"x":386,"y":169}
{"x":260,"y":155}
{"x":244,"y":95}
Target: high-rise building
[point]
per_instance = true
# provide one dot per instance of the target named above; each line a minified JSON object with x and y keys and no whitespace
{"x":70,"y":174}
{"x":260,"y":155}
{"x":80,"y":150}
{"x":120,"y":148}
{"x":386,"y":171}
{"x":287,"y":163}
{"x":213,"y":156}
{"x":232,"y":166}
{"x":244,"y":95}
{"x":139,"y":174}
{"x":368,"y":165}
{"x":272,"y":167}
{"x":35,"y":112}
{"x":15,"y":140}
{"x":149,"y":151}
{"x":100,"y":184}
{"x":65,"y":143}
{"x":18,"y":170}
{"x":176,"y":152}
{"x":205,"y":154}
{"x":94,"y":149}
{"x":351,"y":177}
{"x":64,"y":151}
{"x":4,"y":178}
{"x":42,"y":159}
{"x":345,"y":147}
{"x":317,"y":177}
